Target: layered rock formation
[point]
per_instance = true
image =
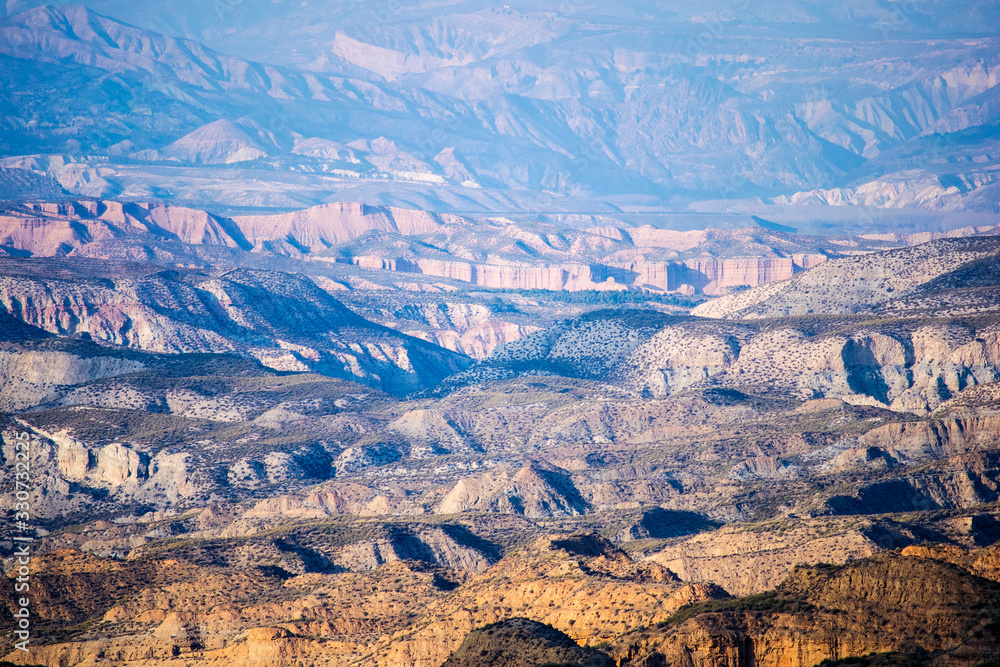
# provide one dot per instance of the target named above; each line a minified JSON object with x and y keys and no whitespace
{"x":318,"y":228}
{"x":706,"y":276}
{"x":552,"y":598}
{"x":747,"y":560}
{"x":523,"y":259}
{"x":217,"y":477}
{"x":913,"y":364}
{"x":473,"y":329}
{"x":498,"y":276}
{"x":728,"y":273}
{"x":286,"y":322}
{"x":532,"y":490}
{"x":881,"y":605}
{"x":518,"y":257}
{"x":825,"y":438}
{"x":34,"y":374}
{"x":579,"y":585}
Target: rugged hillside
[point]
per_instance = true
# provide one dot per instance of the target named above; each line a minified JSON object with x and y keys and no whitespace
{"x":542,"y":447}
{"x":894,"y":281}
{"x":271,"y":598}
{"x":221,"y":593}
{"x":249,"y":252}
{"x":578,"y":584}
{"x":886,"y":604}
{"x":907,"y":364}
{"x":402,"y":244}
{"x":158,"y":611}
{"x":471,"y":326}
{"x":274,"y":502}
{"x":284,"y":321}
{"x":520,"y":642}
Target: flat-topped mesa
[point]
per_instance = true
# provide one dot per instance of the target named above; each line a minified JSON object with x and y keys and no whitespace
{"x":58,"y":228}
{"x":46,"y":229}
{"x":709,"y":276}
{"x":319,"y":227}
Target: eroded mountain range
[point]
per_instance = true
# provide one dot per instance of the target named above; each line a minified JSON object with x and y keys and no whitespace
{"x":519,"y":108}
{"x":232,"y":426}
{"x":565,"y":333}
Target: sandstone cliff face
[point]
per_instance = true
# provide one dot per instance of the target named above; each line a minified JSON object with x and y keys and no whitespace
{"x":473,"y":329}
{"x":713,"y":276}
{"x":916,"y":371}
{"x":33,"y":375}
{"x":496,"y":276}
{"x":319,"y":227}
{"x":747,"y":562}
{"x":727,"y":273}
{"x":943,"y":463}
{"x":162,"y":432}
{"x":888,"y":603}
{"x":924,"y":441}
{"x":707,"y":276}
{"x":477,"y":342}
{"x":70,"y":472}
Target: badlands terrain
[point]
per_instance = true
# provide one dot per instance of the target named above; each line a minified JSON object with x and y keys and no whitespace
{"x":256,"y":448}
{"x":547,"y":333}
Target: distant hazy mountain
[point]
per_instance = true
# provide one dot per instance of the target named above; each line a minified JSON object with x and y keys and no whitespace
{"x":470,"y":106}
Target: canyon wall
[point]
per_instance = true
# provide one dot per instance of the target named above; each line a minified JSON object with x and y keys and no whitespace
{"x":706,"y":275}
{"x":496,"y":276}
{"x":52,"y":229}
